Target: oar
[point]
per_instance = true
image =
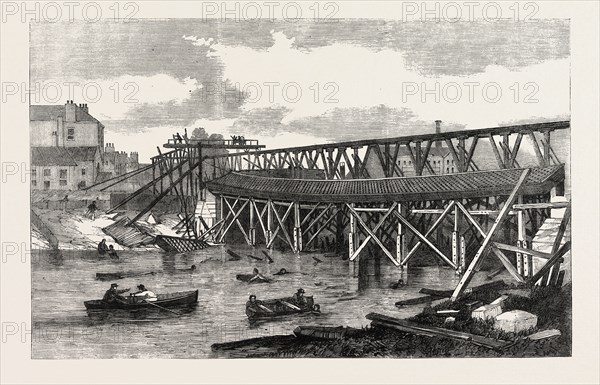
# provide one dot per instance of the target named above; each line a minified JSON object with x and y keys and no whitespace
{"x":290,"y":305}
{"x":265,"y":308}
{"x":163,"y":308}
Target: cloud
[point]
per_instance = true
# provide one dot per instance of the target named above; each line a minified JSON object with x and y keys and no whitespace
{"x":114,"y":98}
{"x":310,"y":83}
{"x":199,"y":42}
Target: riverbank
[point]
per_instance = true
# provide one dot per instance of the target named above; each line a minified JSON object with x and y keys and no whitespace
{"x":551,"y":305}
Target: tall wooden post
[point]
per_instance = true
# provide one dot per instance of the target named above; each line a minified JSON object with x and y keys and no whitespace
{"x":462,"y":166}
{"x":523,"y":260}
{"x":219,"y":212}
{"x":352,"y":239}
{"x":456,"y":244}
{"x":462,"y":266}
{"x":297,"y":229}
{"x":547,"y":148}
{"x":252,"y":224}
{"x":339,"y":229}
{"x":269,"y":222}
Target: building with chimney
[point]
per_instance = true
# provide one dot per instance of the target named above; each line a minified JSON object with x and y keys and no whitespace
{"x":439,"y":159}
{"x":67,"y":149}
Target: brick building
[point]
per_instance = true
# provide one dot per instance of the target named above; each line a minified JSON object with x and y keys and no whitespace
{"x":67,"y":149}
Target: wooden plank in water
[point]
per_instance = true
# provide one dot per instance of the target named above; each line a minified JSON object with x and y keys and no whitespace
{"x":415,"y":328}
{"x":448,"y":293}
{"x":417,"y":300}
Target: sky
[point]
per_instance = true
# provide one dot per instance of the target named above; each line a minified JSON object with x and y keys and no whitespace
{"x":290,"y":84}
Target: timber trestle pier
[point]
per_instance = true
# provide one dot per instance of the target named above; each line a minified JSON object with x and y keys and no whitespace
{"x":437,"y":192}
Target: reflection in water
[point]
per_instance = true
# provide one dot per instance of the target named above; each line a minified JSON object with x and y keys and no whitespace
{"x":61,"y":281}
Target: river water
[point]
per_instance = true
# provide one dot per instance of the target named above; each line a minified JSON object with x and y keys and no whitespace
{"x":61,"y":281}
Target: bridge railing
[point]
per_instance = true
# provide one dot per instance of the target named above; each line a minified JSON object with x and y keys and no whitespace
{"x":212,"y":142}
{"x":416,"y":155}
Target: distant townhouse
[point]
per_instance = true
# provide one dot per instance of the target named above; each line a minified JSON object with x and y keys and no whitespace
{"x":439,"y":160}
{"x":67,"y":149}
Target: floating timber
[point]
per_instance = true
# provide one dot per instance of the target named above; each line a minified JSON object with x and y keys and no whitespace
{"x":129,"y":236}
{"x":418,"y":300}
{"x":179,"y":245}
{"x":448,"y":293}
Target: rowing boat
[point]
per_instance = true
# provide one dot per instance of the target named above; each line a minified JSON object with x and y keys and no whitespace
{"x":183,"y":298}
{"x":278,"y":307}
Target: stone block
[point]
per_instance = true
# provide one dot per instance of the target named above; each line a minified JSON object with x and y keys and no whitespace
{"x":487,"y":311}
{"x":516,"y":321}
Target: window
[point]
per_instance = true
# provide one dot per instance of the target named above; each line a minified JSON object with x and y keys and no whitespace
{"x":47,"y":172}
{"x":62,"y":182}
{"x":63,"y":174}
{"x":33,"y":173}
{"x":83,"y":171}
{"x":447,"y":170}
{"x":452,"y":169}
{"x":70,"y":134}
{"x":34,"y":183}
{"x":447,"y":161}
{"x":47,"y":185}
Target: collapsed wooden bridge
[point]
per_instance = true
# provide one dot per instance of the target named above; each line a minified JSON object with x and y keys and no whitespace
{"x":397,"y":195}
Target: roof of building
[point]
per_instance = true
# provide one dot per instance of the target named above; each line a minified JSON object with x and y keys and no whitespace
{"x":103,"y":176}
{"x":51,"y":112}
{"x":62,"y":156}
{"x":83,"y":154}
{"x":51,"y":156}
{"x":433,"y":187}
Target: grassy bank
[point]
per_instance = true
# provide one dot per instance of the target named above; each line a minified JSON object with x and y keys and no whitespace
{"x":552,"y":306}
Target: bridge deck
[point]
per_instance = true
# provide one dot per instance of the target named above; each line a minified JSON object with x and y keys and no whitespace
{"x":421,"y":188}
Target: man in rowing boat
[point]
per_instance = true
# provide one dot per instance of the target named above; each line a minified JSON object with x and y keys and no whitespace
{"x":145,"y":294}
{"x":299,"y":298}
{"x":114,"y":295}
{"x":253,"y":305}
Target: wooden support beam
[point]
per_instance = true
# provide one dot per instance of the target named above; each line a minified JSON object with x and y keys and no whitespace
{"x":522,"y":250}
{"x":551,"y":262}
{"x":471,"y":219}
{"x":316,"y":220}
{"x":369,"y":237}
{"x":321,"y":228}
{"x":496,"y":152}
{"x":507,"y":264}
{"x":437,"y":223}
{"x":235,"y":220}
{"x":536,"y":149}
{"x":424,"y":239}
{"x":543,"y":205}
{"x":373,"y":236}
{"x":282,"y":226}
{"x":488,"y":239}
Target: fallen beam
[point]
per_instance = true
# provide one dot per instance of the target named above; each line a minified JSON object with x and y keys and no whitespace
{"x":448,"y":293}
{"x":418,"y":300}
{"x":419,"y":329}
